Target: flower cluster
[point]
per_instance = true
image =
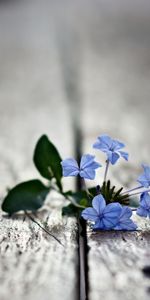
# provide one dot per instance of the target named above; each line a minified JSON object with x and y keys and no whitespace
{"x":111,"y":216}
{"x":107,"y":209}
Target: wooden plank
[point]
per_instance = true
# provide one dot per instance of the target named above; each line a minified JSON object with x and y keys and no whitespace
{"x":112,"y":104}
{"x":33,"y":264}
{"x":100,"y":62}
{"x":116,"y":262}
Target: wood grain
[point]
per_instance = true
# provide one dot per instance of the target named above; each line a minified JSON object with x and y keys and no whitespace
{"x":33,"y":264}
{"x":116,"y":264}
{"x":116,"y":103}
{"x":96,"y":56}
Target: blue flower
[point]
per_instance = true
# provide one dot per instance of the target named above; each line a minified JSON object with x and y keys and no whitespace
{"x":104,"y":216}
{"x":111,"y":148}
{"x":125,"y":222}
{"x":86,"y":169}
{"x":144,"y":179}
{"x":144,"y":208}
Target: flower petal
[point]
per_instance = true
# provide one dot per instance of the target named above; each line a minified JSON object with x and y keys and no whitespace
{"x":88,"y":173}
{"x":142,"y":212}
{"x":146,"y":171}
{"x":144,"y":209}
{"x":126,"y":213}
{"x":127,"y":225}
{"x":99,"y":204}
{"x":88,"y":166}
{"x":111,"y":148}
{"x":90,"y":214}
{"x":125,"y":155}
{"x":113,"y":157}
{"x":103,"y":143}
{"x":70,"y":167}
{"x":145,"y":200}
{"x":143,"y":180}
{"x":111,"y":214}
{"x":117,"y":145}
{"x":99,"y":225}
{"x":86,"y":160}
{"x":105,"y":139}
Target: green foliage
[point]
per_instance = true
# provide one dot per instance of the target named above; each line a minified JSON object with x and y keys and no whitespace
{"x":80,"y":197}
{"x":112,"y":195}
{"x":47,"y":160}
{"x":29,"y":195}
{"x":71,"y":210}
{"x":92,"y":192}
{"x":80,"y":200}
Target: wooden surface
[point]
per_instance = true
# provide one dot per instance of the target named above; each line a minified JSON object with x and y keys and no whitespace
{"x":62,"y":63}
{"x":116,"y":101}
{"x":32,"y":264}
{"x":117,"y":261}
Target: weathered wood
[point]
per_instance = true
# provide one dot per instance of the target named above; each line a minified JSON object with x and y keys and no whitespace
{"x":33,"y":264}
{"x":116,"y":262}
{"x":49,"y":52}
{"x":116,"y":103}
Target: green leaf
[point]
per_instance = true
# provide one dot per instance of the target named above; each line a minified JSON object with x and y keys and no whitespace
{"x":93,"y":191}
{"x":29,"y":195}
{"x":80,"y":198}
{"x":47,"y":160}
{"x":71,"y":210}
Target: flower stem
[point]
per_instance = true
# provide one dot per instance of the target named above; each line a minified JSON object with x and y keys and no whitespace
{"x":134,"y":189}
{"x":74,"y":202}
{"x":44,"y":229}
{"x":130,"y":195}
{"x":68,"y":198}
{"x":106,"y":170}
{"x":85,"y":187}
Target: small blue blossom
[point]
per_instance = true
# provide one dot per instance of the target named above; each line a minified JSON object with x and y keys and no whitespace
{"x":86,"y":169}
{"x":144,"y":179}
{"x":125,"y":222}
{"x":104,"y":216}
{"x":144,"y":208}
{"x":111,"y":147}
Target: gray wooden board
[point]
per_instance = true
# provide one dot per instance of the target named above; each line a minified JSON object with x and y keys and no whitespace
{"x":32,"y":264}
{"x":116,"y":103}
{"x":94,"y":51}
{"x":116,"y":261}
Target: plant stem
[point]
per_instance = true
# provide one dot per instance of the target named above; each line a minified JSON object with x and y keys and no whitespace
{"x":106,"y":170}
{"x":130,"y":195}
{"x":68,"y":198}
{"x":85,"y":187}
{"x":74,"y":202}
{"x":44,"y":229}
{"x":134,"y":189}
